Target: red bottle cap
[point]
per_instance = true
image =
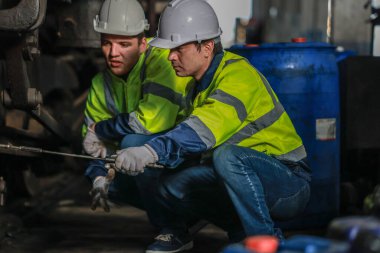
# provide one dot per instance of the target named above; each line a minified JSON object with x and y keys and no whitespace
{"x":251,"y":45}
{"x":299,"y":40}
{"x":262,"y":243}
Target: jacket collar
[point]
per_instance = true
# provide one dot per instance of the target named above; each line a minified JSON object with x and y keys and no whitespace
{"x":208,"y":76}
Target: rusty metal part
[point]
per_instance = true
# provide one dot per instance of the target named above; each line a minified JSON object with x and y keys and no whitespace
{"x":18,"y":77}
{"x":27,"y":15}
{"x":3,"y":190}
{"x":39,"y":113}
{"x":34,"y":98}
{"x":43,"y":117}
{"x":31,"y":50}
{"x":20,"y":94}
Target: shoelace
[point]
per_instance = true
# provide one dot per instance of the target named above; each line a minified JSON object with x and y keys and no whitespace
{"x":164,"y":237}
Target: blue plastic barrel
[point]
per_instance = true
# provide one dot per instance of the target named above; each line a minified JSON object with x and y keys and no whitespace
{"x":305,"y":78}
{"x":312,"y":244}
{"x":235,"y":248}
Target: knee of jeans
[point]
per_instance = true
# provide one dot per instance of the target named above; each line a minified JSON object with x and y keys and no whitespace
{"x":171,"y":191}
{"x":150,"y":174}
{"x":223,"y":156}
{"x":289,"y":208}
{"x":220,"y":152}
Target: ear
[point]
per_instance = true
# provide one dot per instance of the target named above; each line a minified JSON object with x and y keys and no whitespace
{"x":143,"y":45}
{"x":209,"y":47}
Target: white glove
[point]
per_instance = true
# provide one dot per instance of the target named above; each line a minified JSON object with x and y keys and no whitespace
{"x":133,"y":160}
{"x":99,"y":193}
{"x":92,"y":145}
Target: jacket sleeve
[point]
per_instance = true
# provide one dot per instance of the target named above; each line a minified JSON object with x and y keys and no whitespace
{"x":173,"y":146}
{"x":114,"y":128}
{"x":163,"y":100}
{"x":96,"y":110}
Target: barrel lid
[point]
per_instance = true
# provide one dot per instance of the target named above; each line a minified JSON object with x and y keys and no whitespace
{"x":299,"y":39}
{"x":280,"y":45}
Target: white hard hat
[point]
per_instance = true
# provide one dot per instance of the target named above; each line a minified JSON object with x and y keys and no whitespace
{"x":121,"y":17}
{"x":184,"y":21}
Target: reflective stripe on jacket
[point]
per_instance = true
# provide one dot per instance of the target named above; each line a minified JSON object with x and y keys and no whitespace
{"x":153,"y":97}
{"x":238,"y":107}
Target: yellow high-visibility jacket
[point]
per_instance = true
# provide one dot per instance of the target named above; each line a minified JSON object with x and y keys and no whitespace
{"x":234,"y":104}
{"x":152,"y":98}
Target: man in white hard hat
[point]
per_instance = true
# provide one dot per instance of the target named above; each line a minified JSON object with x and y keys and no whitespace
{"x":139,"y":86}
{"x":257,"y":161}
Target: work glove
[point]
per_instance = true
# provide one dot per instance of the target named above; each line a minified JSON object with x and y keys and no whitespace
{"x":99,"y":192}
{"x":93,"y":146}
{"x":132,"y":161}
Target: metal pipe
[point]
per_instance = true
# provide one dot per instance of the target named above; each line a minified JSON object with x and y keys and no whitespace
{"x":330,"y":21}
{"x":3,"y":190}
{"x":44,"y":151}
{"x":109,"y":160}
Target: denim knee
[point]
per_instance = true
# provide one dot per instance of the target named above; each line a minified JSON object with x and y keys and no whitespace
{"x":171,"y":191}
{"x":289,"y":207}
{"x":222,"y":152}
{"x":222,"y":156}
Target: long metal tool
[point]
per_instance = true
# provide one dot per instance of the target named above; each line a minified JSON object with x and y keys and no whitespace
{"x":44,"y":151}
{"x":109,"y":160}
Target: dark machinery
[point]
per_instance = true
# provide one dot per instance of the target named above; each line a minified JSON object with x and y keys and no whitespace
{"x":48,"y":55}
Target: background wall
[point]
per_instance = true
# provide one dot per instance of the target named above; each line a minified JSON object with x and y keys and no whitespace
{"x":281,"y":20}
{"x":286,"y":19}
{"x":227,"y":12}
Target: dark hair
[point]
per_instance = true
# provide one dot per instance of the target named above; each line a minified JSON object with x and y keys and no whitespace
{"x":218,"y":47}
{"x":140,"y":36}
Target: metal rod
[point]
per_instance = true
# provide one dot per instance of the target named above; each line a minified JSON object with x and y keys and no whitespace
{"x":44,"y":151}
{"x":110,"y":160}
{"x":330,"y":22}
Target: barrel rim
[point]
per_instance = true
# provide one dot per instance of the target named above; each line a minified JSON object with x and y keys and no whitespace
{"x":288,"y":45}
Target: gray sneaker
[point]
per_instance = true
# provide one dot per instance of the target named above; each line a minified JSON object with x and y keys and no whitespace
{"x":169,"y":243}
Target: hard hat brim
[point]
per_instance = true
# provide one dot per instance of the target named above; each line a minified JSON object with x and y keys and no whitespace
{"x":115,"y":32}
{"x":162,"y":43}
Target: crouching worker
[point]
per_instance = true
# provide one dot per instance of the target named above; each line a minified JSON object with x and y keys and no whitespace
{"x":254,"y":169}
{"x":139,"y":84}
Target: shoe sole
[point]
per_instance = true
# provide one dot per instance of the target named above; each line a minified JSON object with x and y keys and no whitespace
{"x":187,"y":246}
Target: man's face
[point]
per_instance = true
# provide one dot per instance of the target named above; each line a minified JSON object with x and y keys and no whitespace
{"x":190,"y":59}
{"x":122,"y":52}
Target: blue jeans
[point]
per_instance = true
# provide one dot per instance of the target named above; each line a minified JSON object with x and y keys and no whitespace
{"x":261,"y":187}
{"x":139,"y":191}
{"x":195,"y":193}
{"x":240,"y":191}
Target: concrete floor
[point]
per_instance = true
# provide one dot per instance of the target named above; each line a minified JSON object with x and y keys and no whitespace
{"x":65,"y":223}
{"x":59,"y":220}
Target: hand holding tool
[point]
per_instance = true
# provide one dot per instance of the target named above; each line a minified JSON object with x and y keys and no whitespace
{"x":92,"y":145}
{"x":99,"y":191}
